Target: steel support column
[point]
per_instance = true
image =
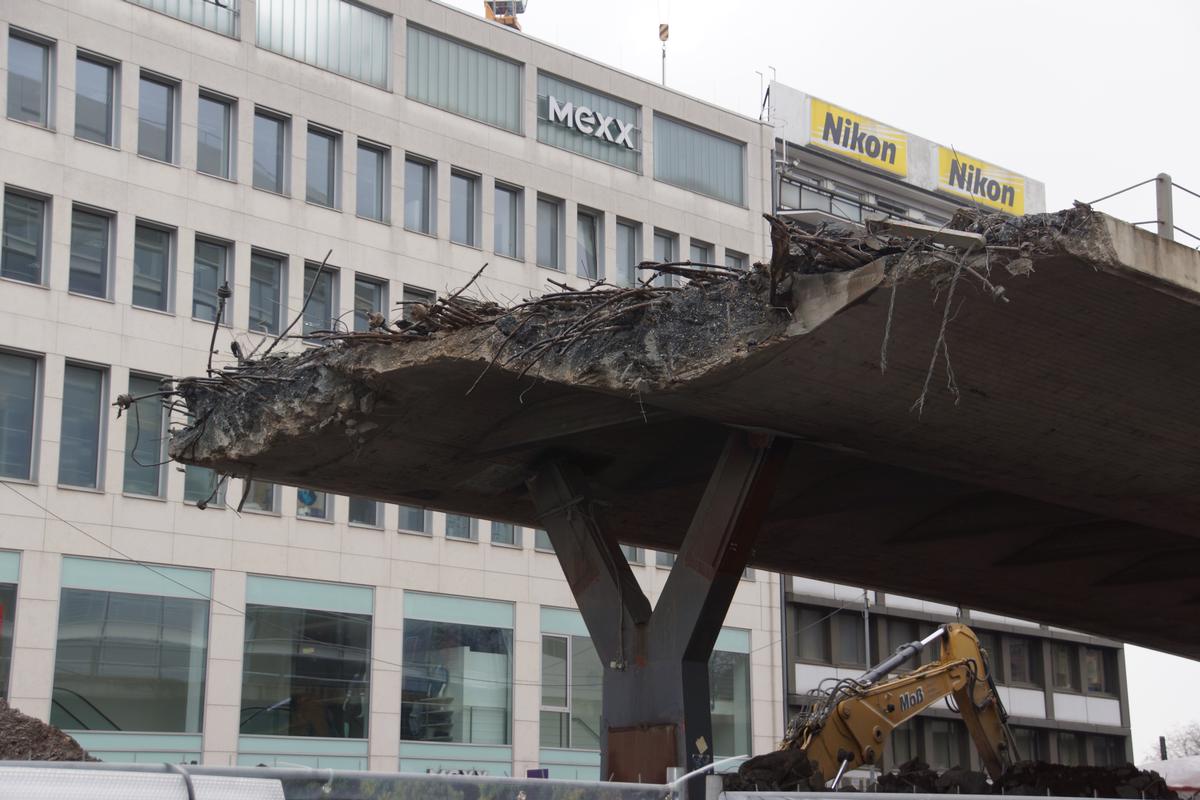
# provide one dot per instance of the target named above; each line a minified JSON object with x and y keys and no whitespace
{"x":656,"y":711}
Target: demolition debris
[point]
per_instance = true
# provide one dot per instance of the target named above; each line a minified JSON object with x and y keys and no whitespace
{"x":24,"y":738}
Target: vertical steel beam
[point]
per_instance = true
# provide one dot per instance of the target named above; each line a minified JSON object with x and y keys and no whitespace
{"x":1163,"y":196}
{"x":656,"y":711}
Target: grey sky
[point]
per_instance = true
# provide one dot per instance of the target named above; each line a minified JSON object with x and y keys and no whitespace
{"x":1088,"y":97}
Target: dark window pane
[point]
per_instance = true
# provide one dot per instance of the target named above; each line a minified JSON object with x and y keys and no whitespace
{"x":700,"y":252}
{"x":457,"y":684}
{"x":266,"y":290}
{"x":8,"y":611}
{"x":462,"y":209}
{"x":260,"y":496}
{"x":504,"y":533}
{"x":306,"y":673}
{"x":94,"y":101}
{"x":18,"y":401}
{"x":89,"y":253}
{"x":1020,"y":665}
{"x":541,"y":540}
{"x":319,"y":313}
{"x":156,"y":119}
{"x":548,"y":234}
{"x":372,"y":182}
{"x":79,"y":442}
{"x":212,"y":136}
{"x":364,"y":511}
{"x":321,"y":187}
{"x":554,"y":671}
{"x":459,"y":527}
{"x":145,"y":439}
{"x":664,"y":559}
{"x":627,"y":256}
{"x":735,"y":259}
{"x":24,"y":237}
{"x":200,"y":484}
{"x":849,"y":640}
{"x":208,"y":275}
{"x":270,"y":151}
{"x":368,"y":298}
{"x":812,"y":635}
{"x":507,"y":231}
{"x":28,"y":81}
{"x":418,"y":196}
{"x":413,"y":296}
{"x":151,"y":267}
{"x":729,"y":682}
{"x":129,"y":662}
{"x":312,"y":504}
{"x":414,"y":519}
{"x":1064,"y":667}
{"x":587,"y":246}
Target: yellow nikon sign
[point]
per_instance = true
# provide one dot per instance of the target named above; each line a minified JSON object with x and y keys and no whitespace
{"x":860,"y":138}
{"x":980,"y":181}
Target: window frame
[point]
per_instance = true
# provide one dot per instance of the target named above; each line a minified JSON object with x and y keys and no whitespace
{"x":35,"y":424}
{"x":384,"y":177}
{"x":428,"y":195}
{"x":381,"y":285}
{"x":281,"y":262}
{"x":174,"y":87}
{"x":379,"y":511}
{"x":334,"y":173}
{"x":334,"y":276}
{"x":114,"y":98}
{"x":105,"y":373}
{"x":473,"y":211}
{"x":44,"y":244}
{"x":222,"y":278}
{"x":273,"y":511}
{"x":708,"y":250}
{"x":326,"y":505}
{"x":283,"y":151}
{"x":170,"y":269}
{"x":517,"y":220}
{"x":558,"y":238}
{"x":740,"y":259}
{"x":420,"y":295}
{"x":472,"y":528}
{"x":164,"y":426}
{"x":231,"y":107}
{"x":1071,"y":651}
{"x":427,"y":521}
{"x":596,"y":219}
{"x":631,"y":278}
{"x":49,"y":65}
{"x":107,"y":276}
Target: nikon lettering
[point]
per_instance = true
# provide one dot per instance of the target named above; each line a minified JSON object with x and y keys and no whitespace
{"x":860,"y":138}
{"x":589,"y":122}
{"x":980,"y":182}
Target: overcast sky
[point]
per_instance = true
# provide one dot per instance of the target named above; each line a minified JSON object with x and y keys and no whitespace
{"x":1088,"y":97}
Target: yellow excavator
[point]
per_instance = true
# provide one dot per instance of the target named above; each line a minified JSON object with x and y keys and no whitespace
{"x":849,"y":723}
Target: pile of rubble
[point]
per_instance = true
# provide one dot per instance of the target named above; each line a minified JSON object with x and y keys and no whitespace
{"x":24,"y":738}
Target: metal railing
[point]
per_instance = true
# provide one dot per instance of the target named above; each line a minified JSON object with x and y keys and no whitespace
{"x":1164,"y":202}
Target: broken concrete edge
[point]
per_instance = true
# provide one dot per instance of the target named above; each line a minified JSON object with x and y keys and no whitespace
{"x":622,"y":341}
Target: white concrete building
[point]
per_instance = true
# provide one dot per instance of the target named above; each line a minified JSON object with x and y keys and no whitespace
{"x":152,"y":150}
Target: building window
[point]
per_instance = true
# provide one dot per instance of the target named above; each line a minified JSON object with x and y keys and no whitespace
{"x":311,"y":504}
{"x":698,"y":160}
{"x":18,"y":409}
{"x":95,"y":100}
{"x":156,"y":118}
{"x":846,"y":209}
{"x":1108,"y":751}
{"x":461,"y":79}
{"x":729,"y":684}
{"x":461,"y":527}
{"x":306,"y":671}
{"x":572,"y":678}
{"x":508,"y":215}
{"x":634,"y":555}
{"x":1064,"y":666}
{"x":906,"y":743}
{"x":1029,"y":744}
{"x":549,"y":232}
{"x":1100,"y":670}
{"x":666,"y":251}
{"x":152,"y":267}
{"x":320,"y":289}
{"x":414,"y":520}
{"x":457,"y":683}
{"x":947,"y":738}
{"x":541,"y":541}
{"x":418,"y":195}
{"x":335,"y":35}
{"x":812,"y":635}
{"x":699,"y":252}
{"x":214,"y":135}
{"x":261,"y":496}
{"x":900,"y":632}
{"x":209,"y":270}
{"x":373,"y":182}
{"x":364,"y":511}
{"x":1071,"y":749}
{"x":368,"y":299}
{"x":89,"y":253}
{"x":29,"y":79}
{"x":323,"y":167}
{"x":504,"y":533}
{"x":989,"y":643}
{"x":8,"y":610}
{"x":129,"y":662}
{"x":414,"y":296}
{"x":219,"y":17}
{"x":589,"y":245}
{"x":664,"y":559}
{"x":266,"y":293}
{"x":270,"y":152}
{"x":203,"y":485}
{"x":81,"y":436}
{"x":464,"y":208}
{"x":629,"y":236}
{"x":1020,"y":666}
{"x":734,"y":259}
{"x":849,"y":644}
{"x":145,"y":439}
{"x":24,"y":235}
{"x":610,"y":133}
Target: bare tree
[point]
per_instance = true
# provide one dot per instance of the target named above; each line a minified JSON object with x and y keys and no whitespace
{"x":1182,"y":740}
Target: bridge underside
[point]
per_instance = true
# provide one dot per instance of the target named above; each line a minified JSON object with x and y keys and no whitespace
{"x":1052,"y":474}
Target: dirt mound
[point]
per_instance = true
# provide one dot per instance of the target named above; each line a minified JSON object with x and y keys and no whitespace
{"x":23,"y":738}
{"x":779,"y":771}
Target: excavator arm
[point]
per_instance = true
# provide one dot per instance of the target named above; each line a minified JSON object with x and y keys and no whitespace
{"x":852,"y":728}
